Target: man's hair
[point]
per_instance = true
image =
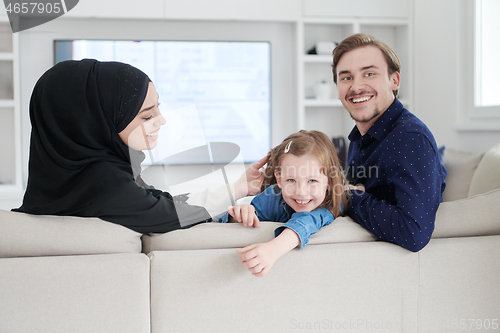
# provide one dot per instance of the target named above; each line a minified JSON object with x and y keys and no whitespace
{"x":320,"y":146}
{"x":361,"y":40}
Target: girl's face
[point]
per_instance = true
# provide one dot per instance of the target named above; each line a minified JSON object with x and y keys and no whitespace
{"x":142,"y":132}
{"x":302,"y":183}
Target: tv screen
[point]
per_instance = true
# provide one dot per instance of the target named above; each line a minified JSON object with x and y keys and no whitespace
{"x":210,"y":91}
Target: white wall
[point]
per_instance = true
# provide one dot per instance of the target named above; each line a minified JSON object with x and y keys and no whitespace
{"x":440,"y":49}
{"x":438,"y":34}
{"x":36,"y":55}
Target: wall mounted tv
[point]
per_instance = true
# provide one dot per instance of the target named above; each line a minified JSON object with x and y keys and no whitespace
{"x":210,"y":91}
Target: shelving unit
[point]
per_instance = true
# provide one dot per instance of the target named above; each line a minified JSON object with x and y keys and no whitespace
{"x":10,"y":175}
{"x":329,"y":115}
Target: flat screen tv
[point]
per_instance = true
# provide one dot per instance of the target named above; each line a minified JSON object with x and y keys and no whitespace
{"x":210,"y":91}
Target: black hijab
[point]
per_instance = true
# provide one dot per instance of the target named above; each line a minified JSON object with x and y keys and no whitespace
{"x":79,"y":165}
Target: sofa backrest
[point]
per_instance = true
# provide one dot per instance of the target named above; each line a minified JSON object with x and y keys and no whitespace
{"x":461,"y":167}
{"x":25,"y":235}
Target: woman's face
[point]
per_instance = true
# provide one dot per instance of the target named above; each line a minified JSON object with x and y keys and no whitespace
{"x":142,"y":132}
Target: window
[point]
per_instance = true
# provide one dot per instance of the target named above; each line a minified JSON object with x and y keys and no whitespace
{"x":478,"y":70}
{"x":487,"y":50}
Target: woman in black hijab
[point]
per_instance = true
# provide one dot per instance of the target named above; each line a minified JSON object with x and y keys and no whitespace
{"x":90,"y":120}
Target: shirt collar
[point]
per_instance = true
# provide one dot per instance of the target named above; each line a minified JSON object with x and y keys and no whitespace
{"x":380,"y":128}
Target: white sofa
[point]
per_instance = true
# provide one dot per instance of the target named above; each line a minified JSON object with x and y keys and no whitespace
{"x":67,"y":274}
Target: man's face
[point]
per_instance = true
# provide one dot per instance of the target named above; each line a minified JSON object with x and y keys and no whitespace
{"x":365,"y":88}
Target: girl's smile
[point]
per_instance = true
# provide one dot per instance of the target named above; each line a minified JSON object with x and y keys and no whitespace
{"x":302,"y":182}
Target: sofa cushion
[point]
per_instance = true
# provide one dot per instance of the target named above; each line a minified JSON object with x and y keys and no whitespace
{"x":461,"y":167}
{"x":487,"y":175}
{"x":475,"y":216}
{"x":234,"y":235}
{"x":77,"y":294}
{"x":459,"y":286}
{"x":370,"y":283}
{"x":26,"y":235}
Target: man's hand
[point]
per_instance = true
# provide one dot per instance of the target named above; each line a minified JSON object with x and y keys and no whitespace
{"x":251,"y":180}
{"x":354,"y":188}
{"x":244,"y":214}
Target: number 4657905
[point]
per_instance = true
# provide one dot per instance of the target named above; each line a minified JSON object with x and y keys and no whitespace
{"x":472,"y":324}
{"x":33,"y":8}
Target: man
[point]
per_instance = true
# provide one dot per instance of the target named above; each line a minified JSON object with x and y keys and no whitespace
{"x":393,"y":163}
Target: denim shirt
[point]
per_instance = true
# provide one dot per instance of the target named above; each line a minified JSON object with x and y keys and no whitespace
{"x":270,"y":206}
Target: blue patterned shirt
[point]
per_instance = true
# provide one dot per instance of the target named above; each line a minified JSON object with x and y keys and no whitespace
{"x":397,"y":162}
{"x":270,"y":206}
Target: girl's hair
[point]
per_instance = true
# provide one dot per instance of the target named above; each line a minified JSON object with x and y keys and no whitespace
{"x":320,"y":146}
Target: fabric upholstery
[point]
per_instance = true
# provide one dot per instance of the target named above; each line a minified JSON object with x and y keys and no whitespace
{"x":77,"y":294}
{"x":458,"y":282}
{"x":475,"y":216}
{"x":461,"y":167}
{"x":24,"y":235}
{"x":487,"y":175}
{"x":234,"y":235}
{"x":328,"y":284}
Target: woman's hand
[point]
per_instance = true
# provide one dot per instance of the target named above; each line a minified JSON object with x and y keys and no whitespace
{"x":251,"y":180}
{"x":244,"y":214}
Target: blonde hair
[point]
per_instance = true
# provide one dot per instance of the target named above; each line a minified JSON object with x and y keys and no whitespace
{"x":360,"y":40}
{"x":320,"y":146}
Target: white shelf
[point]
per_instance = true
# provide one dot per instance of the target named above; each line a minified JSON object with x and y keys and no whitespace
{"x":7,"y":103}
{"x":321,"y":59}
{"x":318,"y":103}
{"x":6,"y":56}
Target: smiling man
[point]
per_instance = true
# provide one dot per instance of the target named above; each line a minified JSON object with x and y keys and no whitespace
{"x":393,"y":163}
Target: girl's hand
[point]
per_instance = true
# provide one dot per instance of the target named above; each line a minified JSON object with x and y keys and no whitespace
{"x":244,"y":214}
{"x":259,"y":258}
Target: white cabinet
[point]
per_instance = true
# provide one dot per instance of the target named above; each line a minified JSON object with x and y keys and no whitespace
{"x":118,"y":9}
{"x":10,"y":166}
{"x":357,"y":8}
{"x":261,"y":10}
{"x":328,"y":115}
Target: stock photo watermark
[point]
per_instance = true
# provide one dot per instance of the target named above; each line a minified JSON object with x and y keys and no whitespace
{"x":24,"y":15}
{"x":364,"y":324}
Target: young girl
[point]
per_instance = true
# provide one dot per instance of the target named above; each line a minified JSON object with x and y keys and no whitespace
{"x":304,"y":187}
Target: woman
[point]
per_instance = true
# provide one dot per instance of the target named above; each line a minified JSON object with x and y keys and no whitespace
{"x":90,"y":121}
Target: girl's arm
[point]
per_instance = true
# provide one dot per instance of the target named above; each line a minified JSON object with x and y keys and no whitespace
{"x":259,"y":258}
